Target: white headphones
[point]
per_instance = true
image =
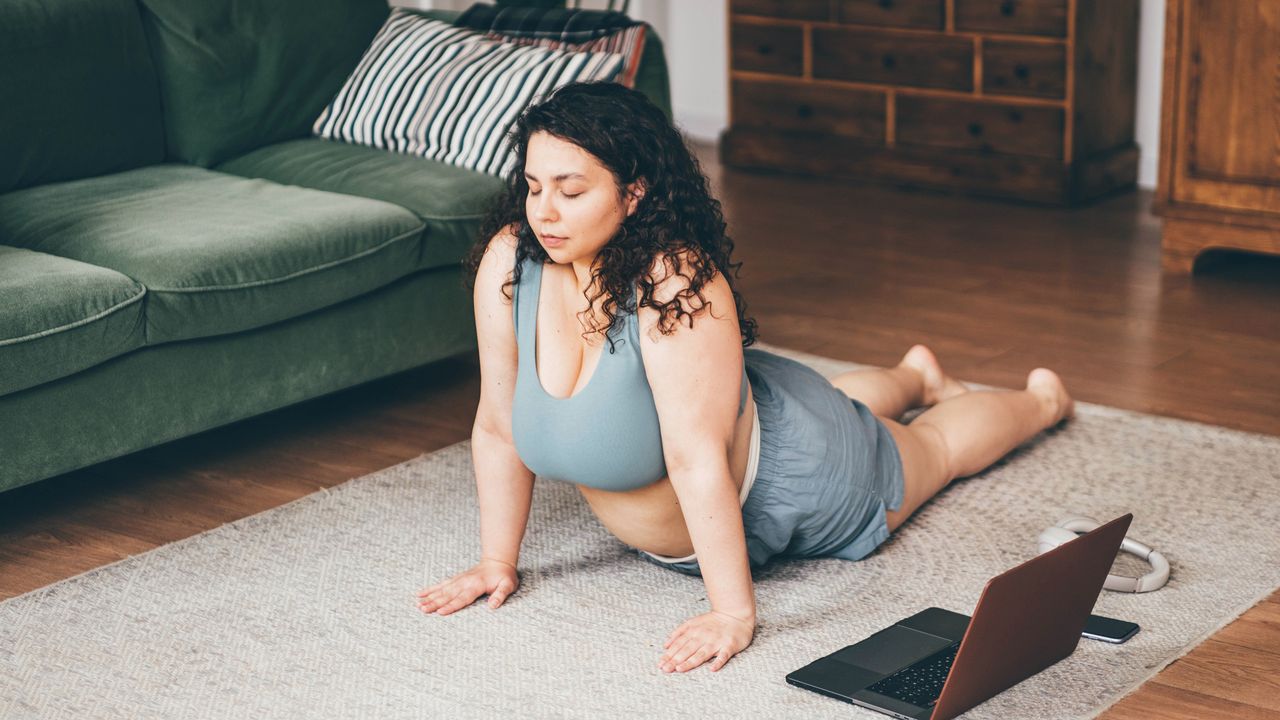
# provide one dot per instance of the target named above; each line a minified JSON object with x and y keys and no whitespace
{"x":1070,"y":528}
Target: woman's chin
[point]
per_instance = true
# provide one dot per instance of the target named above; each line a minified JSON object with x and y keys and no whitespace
{"x":558,"y":254}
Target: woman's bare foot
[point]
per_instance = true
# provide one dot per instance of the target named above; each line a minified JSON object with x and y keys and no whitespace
{"x":938,"y":386}
{"x":1046,"y":384}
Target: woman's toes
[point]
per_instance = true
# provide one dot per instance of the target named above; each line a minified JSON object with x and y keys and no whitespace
{"x":1046,"y":383}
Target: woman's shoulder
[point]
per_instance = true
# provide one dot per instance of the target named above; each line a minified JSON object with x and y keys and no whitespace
{"x":683,"y":274}
{"x":503,"y":245}
{"x":496,"y":265}
{"x":687,"y":287}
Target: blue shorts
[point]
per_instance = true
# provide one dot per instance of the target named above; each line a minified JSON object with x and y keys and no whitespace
{"x":828,"y":469}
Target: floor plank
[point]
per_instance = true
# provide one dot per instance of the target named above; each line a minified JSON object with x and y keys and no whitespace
{"x":1171,"y":703}
{"x":1231,"y":672}
{"x":848,"y":270}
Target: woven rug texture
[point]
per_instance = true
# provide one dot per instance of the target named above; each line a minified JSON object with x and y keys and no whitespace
{"x":308,"y":610}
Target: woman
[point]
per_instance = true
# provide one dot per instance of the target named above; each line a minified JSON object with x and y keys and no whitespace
{"x":612,"y":356}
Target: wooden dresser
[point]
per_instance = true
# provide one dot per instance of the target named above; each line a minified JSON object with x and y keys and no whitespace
{"x":1025,"y":99}
{"x":1219,"y":182}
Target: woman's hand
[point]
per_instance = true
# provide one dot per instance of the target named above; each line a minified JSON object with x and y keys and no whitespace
{"x":497,"y":578}
{"x":709,"y":635}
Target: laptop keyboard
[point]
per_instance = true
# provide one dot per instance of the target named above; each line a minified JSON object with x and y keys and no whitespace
{"x":921,"y":683}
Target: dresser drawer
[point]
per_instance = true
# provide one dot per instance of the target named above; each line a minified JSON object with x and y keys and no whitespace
{"x":1020,"y":17}
{"x":791,"y":107}
{"x":927,"y":14}
{"x":893,"y":58}
{"x":767,"y":48}
{"x":789,"y":9}
{"x":983,"y":126}
{"x":1015,"y":68}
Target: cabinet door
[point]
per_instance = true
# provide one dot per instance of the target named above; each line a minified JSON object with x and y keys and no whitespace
{"x":1226,"y":150}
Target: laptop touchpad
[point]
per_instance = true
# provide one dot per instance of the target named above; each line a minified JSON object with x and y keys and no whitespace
{"x":892,"y":648}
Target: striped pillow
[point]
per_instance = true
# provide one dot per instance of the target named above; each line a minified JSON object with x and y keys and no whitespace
{"x":427,"y":88}
{"x":628,"y":42}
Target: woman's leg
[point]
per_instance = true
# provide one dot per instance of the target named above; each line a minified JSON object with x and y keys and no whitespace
{"x":889,"y":392}
{"x":967,"y":433}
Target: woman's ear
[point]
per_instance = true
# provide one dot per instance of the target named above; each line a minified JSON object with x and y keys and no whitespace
{"x":635,"y":193}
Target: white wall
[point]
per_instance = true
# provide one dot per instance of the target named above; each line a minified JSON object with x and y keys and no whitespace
{"x":1150,"y":76}
{"x":695,"y":35}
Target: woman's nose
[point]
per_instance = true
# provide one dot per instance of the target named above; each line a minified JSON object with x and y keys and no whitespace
{"x":543,"y":209}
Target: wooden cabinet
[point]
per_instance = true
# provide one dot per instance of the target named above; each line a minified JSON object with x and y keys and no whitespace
{"x":1219,"y":182}
{"x":1025,"y":99}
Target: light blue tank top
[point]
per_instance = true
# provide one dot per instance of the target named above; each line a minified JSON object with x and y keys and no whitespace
{"x":605,"y":436}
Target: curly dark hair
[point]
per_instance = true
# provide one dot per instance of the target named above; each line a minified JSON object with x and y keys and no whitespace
{"x":676,"y":217}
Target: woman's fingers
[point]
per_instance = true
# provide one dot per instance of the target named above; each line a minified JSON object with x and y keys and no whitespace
{"x":500,"y":593}
{"x":696,"y":659}
{"x":463,"y":589}
{"x":427,"y":591}
{"x":668,"y":661}
{"x":442,"y":598}
{"x":437,"y":600}
{"x":458,"y":602}
{"x":679,"y":632}
{"x":688,"y":650}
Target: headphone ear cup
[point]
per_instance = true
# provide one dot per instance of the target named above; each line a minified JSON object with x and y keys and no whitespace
{"x":1120,"y":583}
{"x":1052,"y":537}
{"x":1079,"y":524}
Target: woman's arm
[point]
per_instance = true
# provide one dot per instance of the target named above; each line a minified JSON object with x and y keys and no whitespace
{"x":503,"y":484}
{"x":696,"y":377}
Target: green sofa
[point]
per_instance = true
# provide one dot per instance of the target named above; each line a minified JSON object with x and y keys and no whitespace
{"x":176,"y":251}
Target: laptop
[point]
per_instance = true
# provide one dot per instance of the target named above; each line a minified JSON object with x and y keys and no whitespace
{"x":937,"y":664}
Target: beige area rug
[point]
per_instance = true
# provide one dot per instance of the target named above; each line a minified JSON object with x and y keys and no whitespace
{"x":308,"y":610}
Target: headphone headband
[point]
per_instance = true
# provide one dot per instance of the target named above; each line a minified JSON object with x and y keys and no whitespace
{"x":1069,"y":528}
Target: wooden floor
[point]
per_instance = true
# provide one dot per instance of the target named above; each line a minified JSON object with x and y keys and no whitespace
{"x":851,"y":271}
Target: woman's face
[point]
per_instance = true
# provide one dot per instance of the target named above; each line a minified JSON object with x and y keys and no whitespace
{"x":573,"y":205}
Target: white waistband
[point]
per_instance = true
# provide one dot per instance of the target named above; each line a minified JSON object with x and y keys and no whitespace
{"x":753,"y":459}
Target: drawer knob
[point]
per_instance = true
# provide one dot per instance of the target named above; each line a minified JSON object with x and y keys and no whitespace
{"x":765,"y":49}
{"x":975,"y":129}
{"x":1015,"y":116}
{"x":1021,"y":71}
{"x":1007,"y":7}
{"x":804,"y":111}
{"x":886,"y":3}
{"x":888,"y":61}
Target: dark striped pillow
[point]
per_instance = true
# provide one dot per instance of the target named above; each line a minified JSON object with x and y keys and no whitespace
{"x":425,"y":87}
{"x":628,"y":42}
{"x":562,"y":29}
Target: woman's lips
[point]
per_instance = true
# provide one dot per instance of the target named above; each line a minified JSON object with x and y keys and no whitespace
{"x":552,"y":241}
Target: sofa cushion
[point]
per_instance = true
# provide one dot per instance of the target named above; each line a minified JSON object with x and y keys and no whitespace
{"x":238,"y":75}
{"x":60,"y":316}
{"x":217,"y":253}
{"x":450,"y":200}
{"x":78,"y":94}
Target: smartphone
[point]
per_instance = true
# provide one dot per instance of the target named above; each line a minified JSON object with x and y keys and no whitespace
{"x":1109,"y":629}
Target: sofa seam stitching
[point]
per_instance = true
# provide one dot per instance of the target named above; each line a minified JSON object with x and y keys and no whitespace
{"x":77,"y":323}
{"x":300,"y":273}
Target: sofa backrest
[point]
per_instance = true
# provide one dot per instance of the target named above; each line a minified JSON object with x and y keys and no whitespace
{"x":78,"y":92}
{"x":236,"y":75}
